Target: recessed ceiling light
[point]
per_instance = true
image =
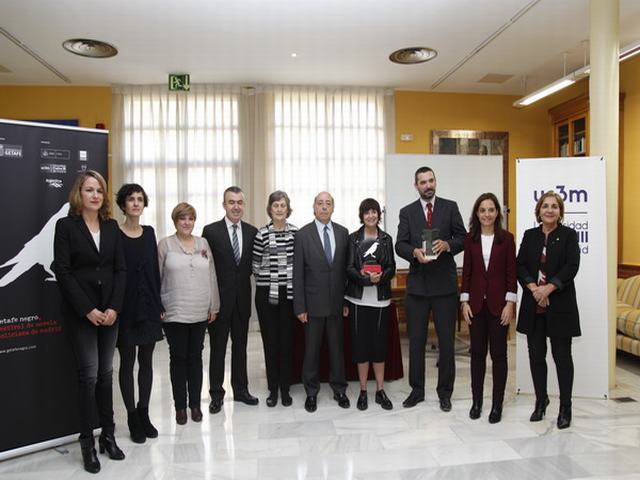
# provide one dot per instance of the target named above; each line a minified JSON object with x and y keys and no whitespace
{"x":85,"y":47}
{"x":412,"y":55}
{"x":294,"y":55}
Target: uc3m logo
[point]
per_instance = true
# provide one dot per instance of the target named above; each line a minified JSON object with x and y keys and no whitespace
{"x":568,"y":195}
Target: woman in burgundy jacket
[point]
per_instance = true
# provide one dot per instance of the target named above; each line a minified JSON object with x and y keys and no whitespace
{"x":488,"y":298}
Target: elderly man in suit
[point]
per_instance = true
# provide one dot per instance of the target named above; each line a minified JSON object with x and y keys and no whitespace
{"x":431,"y":283}
{"x":319,"y":279}
{"x":231,"y":242}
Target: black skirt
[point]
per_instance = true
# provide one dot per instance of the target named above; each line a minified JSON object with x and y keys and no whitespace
{"x":369,"y":327}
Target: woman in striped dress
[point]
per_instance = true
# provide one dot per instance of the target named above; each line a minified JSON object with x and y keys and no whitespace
{"x":273,"y":270}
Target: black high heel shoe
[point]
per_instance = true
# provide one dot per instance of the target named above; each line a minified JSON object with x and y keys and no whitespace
{"x":108,"y":442}
{"x":539,"y":410}
{"x":89,"y":455}
{"x":564,"y":417}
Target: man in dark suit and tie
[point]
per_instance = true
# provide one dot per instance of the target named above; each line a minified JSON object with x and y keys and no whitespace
{"x":231,"y":242}
{"x":319,"y":279}
{"x":431,"y":284}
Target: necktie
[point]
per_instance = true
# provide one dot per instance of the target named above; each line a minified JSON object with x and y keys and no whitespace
{"x":429,"y":214}
{"x":235,"y":244}
{"x":327,"y":245}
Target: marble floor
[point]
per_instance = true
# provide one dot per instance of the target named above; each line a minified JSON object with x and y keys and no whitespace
{"x":419,"y":443}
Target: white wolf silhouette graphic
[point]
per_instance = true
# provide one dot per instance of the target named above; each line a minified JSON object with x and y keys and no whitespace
{"x":37,"y":251}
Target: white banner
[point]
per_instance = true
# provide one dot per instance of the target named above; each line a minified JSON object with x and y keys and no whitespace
{"x":580,"y":181}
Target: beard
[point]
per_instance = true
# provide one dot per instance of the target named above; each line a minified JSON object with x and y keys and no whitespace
{"x":428,"y":195}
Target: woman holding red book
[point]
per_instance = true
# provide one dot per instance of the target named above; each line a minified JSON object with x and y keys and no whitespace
{"x":370,"y":267}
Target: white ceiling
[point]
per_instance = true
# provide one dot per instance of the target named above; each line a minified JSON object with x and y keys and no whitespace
{"x":338,"y":42}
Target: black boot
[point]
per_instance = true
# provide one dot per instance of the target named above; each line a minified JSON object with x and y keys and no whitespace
{"x":135,"y":427}
{"x":149,"y":430}
{"x":539,"y":410}
{"x":476,"y":410}
{"x":496,"y":413}
{"x":107,"y":441}
{"x":564,"y":417}
{"x":89,"y":456}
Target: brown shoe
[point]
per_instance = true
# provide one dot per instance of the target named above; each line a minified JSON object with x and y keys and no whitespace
{"x":181,"y":416}
{"x":196,"y":414}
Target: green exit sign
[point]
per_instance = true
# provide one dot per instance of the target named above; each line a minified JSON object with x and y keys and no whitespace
{"x":179,"y":82}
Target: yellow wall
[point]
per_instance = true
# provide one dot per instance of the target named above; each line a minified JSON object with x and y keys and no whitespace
{"x":529,"y":128}
{"x":630,"y":181}
{"x":88,"y":105}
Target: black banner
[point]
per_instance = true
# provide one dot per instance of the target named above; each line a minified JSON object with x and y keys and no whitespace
{"x":38,"y":165}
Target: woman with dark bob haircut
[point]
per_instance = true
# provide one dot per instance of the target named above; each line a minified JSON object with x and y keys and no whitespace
{"x":548,"y":261}
{"x":273,"y":270}
{"x":370,"y":267}
{"x":488,"y":298}
{"x":90,"y":269}
{"x":140,"y":320}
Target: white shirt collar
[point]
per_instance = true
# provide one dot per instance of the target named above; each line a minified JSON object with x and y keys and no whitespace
{"x":230,"y":223}
{"x":424,"y":202}
{"x":320,"y":226}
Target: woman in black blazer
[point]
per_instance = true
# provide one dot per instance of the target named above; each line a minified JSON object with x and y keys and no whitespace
{"x":548,"y":262}
{"x":370,"y":267}
{"x":90,"y":269}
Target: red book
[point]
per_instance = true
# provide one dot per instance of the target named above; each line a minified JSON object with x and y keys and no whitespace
{"x":372,"y":268}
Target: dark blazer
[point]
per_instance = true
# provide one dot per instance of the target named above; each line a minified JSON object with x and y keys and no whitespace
{"x":493,"y":282}
{"x":439,"y":276}
{"x":318,"y":288}
{"x":89,"y":278}
{"x":384,"y":256}
{"x":234,"y":281}
{"x":561,"y":267}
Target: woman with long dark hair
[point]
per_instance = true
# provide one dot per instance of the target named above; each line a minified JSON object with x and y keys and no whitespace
{"x":548,"y":261}
{"x":140,"y":321}
{"x":90,"y":269}
{"x":488,"y":298}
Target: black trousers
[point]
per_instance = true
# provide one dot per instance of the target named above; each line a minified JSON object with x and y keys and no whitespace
{"x":186,"y":342}
{"x":145,"y":374}
{"x":93,"y":349}
{"x":485,"y":329}
{"x":561,"y":352}
{"x":276,"y":329}
{"x":218,"y":336}
{"x":444,"y":310}
{"x":313,"y":334}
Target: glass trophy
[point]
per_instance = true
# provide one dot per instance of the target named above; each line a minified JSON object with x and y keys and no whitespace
{"x":429,"y":235}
